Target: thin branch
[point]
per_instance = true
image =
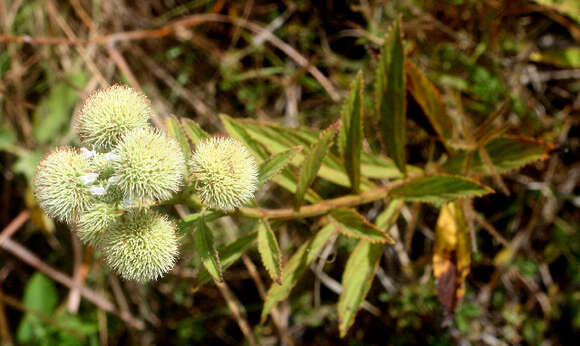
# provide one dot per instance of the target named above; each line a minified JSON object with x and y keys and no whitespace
{"x":175,"y":27}
{"x":5,"y":337}
{"x":336,"y":287}
{"x":126,"y":71}
{"x":74,"y":296}
{"x":31,"y":259}
{"x":14,"y":225}
{"x":276,"y":317}
{"x":323,"y":207}
{"x":237,"y":310}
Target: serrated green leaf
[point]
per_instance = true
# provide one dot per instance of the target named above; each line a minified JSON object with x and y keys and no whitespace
{"x":175,"y":132}
{"x":269,"y":251}
{"x":388,"y":217}
{"x":193,"y":131}
{"x":312,"y":163}
{"x":351,"y":135}
{"x":277,"y":162}
{"x":238,"y":132}
{"x":356,"y":281}
{"x":429,"y":99}
{"x":295,"y":268}
{"x":352,"y":224}
{"x":205,"y":247}
{"x":390,"y":95}
{"x":506,"y":153}
{"x":229,"y":254}
{"x":277,"y":138}
{"x":52,"y":115}
{"x":439,"y":189}
{"x":40,"y":295}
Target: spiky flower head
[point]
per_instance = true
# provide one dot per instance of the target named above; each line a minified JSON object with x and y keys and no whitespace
{"x":93,"y":223}
{"x":142,"y":246}
{"x":224,"y":173}
{"x":149,"y":165}
{"x":107,"y":114}
{"x":60,"y":184}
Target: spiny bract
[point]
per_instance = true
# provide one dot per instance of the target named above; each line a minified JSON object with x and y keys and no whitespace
{"x":58,"y":186}
{"x":142,"y":246}
{"x":107,"y":114}
{"x":93,"y":223}
{"x":224,"y":172}
{"x":150,"y":165}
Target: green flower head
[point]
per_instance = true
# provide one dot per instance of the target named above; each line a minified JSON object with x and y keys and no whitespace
{"x":150,"y":165}
{"x":60,"y":184}
{"x":93,"y":223}
{"x":142,"y":246}
{"x":224,"y":172}
{"x":107,"y":114}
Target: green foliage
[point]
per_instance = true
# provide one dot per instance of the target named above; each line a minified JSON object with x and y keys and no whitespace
{"x":351,"y":224}
{"x":295,"y":267}
{"x":312,"y":163}
{"x":439,"y":189}
{"x":506,"y":153}
{"x":350,"y":137}
{"x":205,"y":247}
{"x":229,"y":255}
{"x":356,"y":281}
{"x":40,"y":296}
{"x":443,"y":141}
{"x":390,"y":96}
{"x":270,"y":251}
{"x":52,"y":115}
{"x":272,"y":166}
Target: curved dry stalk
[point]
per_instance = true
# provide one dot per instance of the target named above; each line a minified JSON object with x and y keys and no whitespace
{"x":323,"y":207}
{"x":174,"y":28}
{"x":31,"y":259}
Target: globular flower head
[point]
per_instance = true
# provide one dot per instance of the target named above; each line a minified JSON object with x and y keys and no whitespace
{"x":149,"y":165}
{"x":60,"y":184}
{"x":92,"y":224}
{"x":142,"y":246}
{"x":107,"y":114}
{"x":224,"y":172}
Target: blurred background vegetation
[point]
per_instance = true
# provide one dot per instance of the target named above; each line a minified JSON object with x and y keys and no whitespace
{"x":256,"y":59}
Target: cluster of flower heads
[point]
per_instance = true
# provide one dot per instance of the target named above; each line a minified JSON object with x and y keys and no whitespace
{"x":106,"y":189}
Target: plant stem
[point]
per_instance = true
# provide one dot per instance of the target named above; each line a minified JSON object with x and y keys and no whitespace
{"x":323,"y":207}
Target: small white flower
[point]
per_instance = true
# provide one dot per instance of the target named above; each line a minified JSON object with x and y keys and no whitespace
{"x":97,"y":190}
{"x":111,"y":157}
{"x":114,"y":179}
{"x":87,"y":154}
{"x":89,"y":178}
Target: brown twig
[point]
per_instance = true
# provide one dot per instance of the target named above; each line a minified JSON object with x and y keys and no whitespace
{"x":323,"y":207}
{"x":74,"y":296}
{"x":14,"y":225}
{"x":5,"y":337}
{"x":31,"y":259}
{"x":128,"y":73}
{"x":237,"y":310}
{"x":191,"y":21}
{"x":276,"y":317}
